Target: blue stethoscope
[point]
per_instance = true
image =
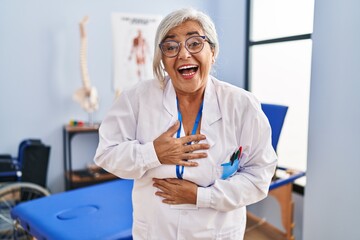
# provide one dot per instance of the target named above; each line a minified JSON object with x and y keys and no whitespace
{"x":180,"y":169}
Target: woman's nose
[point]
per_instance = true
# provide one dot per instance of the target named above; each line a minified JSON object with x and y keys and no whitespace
{"x":183,"y":52}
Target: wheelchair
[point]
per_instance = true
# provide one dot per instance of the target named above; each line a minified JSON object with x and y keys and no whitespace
{"x":21,"y":179}
{"x":12,"y":194}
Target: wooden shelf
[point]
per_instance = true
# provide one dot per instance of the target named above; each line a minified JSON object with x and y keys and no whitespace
{"x":84,"y":128}
{"x":79,"y":178}
{"x":86,"y":177}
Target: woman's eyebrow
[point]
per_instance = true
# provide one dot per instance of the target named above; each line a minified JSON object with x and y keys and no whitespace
{"x":193,"y":33}
{"x":172,"y":36}
{"x":169,"y":36}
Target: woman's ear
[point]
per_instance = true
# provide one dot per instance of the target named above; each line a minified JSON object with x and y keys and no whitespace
{"x":213,"y":55}
{"x":213,"y":59}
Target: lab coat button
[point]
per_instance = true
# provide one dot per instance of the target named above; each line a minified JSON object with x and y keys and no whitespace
{"x":184,"y":213}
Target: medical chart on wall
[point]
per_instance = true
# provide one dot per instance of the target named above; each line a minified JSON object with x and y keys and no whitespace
{"x":133,"y":42}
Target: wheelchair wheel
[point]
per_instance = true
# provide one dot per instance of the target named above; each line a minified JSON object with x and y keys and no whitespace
{"x":10,"y":195}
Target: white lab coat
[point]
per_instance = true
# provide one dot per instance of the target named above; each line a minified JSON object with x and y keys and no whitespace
{"x":232,"y":117}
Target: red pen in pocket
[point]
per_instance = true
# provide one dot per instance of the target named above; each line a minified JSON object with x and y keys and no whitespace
{"x":240,"y":152}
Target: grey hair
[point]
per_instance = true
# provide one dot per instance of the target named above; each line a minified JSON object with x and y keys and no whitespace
{"x":175,"y":19}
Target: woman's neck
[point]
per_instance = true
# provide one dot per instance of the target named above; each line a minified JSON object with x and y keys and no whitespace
{"x":189,"y":106}
{"x":189,"y":100}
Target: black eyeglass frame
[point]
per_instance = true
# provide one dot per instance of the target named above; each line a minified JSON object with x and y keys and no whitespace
{"x":205,"y":39}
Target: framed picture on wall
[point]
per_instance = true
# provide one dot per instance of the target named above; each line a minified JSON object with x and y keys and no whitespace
{"x":133,"y":42}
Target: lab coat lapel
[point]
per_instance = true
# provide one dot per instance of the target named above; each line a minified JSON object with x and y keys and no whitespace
{"x":211,"y":112}
{"x":169,"y":102}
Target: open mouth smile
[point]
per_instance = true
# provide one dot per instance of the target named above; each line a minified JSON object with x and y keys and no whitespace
{"x":187,"y":71}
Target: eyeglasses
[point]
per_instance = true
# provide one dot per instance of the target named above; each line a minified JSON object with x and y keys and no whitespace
{"x":193,"y":45}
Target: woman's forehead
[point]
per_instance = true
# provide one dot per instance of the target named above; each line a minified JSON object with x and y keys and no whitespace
{"x":187,"y":28}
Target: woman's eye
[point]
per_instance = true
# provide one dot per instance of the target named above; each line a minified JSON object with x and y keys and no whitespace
{"x":194,"y":44}
{"x":171,"y":48}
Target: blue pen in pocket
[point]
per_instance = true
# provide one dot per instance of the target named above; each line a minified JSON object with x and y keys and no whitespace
{"x":230,"y":168}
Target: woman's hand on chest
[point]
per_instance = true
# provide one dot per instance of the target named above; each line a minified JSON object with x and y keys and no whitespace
{"x":176,"y":151}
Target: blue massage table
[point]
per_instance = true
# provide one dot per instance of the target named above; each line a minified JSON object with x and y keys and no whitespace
{"x":102,"y":211}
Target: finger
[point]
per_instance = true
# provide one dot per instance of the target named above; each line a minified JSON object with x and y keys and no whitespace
{"x":167,"y":181}
{"x":163,"y":195}
{"x":170,"y":202}
{"x":161,"y":187}
{"x":187,"y":163}
{"x":194,"y":147}
{"x":174,"y":181}
{"x":163,"y":183}
{"x":173,"y":129}
{"x":159,"y":181}
{"x":192,"y":138}
{"x":194,"y":156}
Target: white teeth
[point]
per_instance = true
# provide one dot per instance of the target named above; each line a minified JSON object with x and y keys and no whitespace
{"x":186,"y":67}
{"x":188,"y":74}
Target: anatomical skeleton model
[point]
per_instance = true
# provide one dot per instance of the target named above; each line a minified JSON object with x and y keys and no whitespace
{"x":86,"y":96}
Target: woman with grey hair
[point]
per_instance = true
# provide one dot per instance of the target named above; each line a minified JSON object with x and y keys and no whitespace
{"x":199,"y":149}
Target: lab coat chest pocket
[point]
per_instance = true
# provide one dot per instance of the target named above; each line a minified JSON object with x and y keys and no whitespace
{"x":228,"y":162}
{"x":222,"y":147}
{"x":225,"y":168}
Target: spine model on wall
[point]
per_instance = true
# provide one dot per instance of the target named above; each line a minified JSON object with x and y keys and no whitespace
{"x":86,"y":96}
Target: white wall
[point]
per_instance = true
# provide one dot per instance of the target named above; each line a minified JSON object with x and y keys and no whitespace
{"x":39,"y":69}
{"x":332,"y":194}
{"x":39,"y":66}
{"x":230,"y":19}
